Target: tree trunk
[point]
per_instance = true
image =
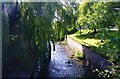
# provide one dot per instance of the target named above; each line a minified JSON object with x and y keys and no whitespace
{"x":66,"y":38}
{"x":80,"y":30}
{"x":95,"y":31}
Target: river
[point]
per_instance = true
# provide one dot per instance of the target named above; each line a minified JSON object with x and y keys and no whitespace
{"x":62,"y":66}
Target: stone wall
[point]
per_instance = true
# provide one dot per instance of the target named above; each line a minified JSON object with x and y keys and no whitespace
{"x":94,"y":60}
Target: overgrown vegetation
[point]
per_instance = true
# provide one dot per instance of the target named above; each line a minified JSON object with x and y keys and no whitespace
{"x":99,"y":18}
{"x":28,"y":29}
{"x":78,"y":55}
{"x":107,"y":48}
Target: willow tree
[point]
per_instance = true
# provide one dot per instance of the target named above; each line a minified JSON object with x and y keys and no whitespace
{"x":36,"y":24}
{"x":65,"y":21}
{"x":31,"y":31}
{"x":5,"y":39}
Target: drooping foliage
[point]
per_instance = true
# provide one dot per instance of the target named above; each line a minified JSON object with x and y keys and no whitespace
{"x":29,"y":31}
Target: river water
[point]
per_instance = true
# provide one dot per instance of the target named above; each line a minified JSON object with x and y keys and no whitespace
{"x":62,"y":66}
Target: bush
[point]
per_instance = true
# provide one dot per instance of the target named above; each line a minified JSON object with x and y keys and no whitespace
{"x":78,"y":55}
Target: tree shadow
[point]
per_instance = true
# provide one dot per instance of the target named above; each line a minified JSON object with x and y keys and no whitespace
{"x":88,"y":35}
{"x":108,"y":35}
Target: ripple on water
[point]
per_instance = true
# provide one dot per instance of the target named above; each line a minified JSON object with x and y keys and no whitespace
{"x":60,"y":67}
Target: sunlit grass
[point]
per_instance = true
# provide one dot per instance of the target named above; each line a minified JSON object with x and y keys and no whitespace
{"x":78,"y":55}
{"x":93,"y":40}
{"x":84,"y":40}
{"x":63,"y":42}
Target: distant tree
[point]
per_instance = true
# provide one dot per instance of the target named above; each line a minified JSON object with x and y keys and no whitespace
{"x":97,"y":15}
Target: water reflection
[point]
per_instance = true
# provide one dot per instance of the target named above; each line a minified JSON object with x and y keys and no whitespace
{"x":62,"y":66}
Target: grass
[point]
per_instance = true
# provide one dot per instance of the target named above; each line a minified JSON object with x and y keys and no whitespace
{"x":86,"y":38}
{"x":92,"y":40}
{"x":63,"y":42}
{"x":78,"y":55}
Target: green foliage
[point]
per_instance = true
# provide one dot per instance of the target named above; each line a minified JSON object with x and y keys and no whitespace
{"x":64,"y":42}
{"x":68,"y":18}
{"x":96,"y":15}
{"x":5,"y":28}
{"x":109,"y":48}
{"x":111,"y":73}
{"x":37,"y":27}
{"x":5,"y":38}
{"x":59,"y":31}
{"x":83,"y":10}
{"x":35,"y":33}
{"x":105,"y":73}
{"x":102,"y":16}
{"x":78,"y":55}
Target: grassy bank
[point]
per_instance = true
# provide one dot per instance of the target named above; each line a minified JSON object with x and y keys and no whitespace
{"x":93,"y":40}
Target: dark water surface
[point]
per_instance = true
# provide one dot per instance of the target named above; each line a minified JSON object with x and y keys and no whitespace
{"x":61,"y":66}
